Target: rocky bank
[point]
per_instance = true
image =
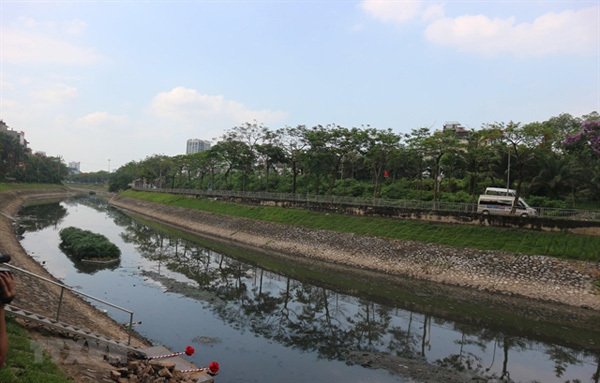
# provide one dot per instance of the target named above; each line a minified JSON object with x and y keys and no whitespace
{"x":539,"y":277}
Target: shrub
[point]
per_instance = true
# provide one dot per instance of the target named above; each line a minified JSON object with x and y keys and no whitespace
{"x":459,"y":196}
{"x":546,"y":202}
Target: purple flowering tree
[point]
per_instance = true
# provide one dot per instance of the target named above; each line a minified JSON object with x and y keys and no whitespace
{"x":588,"y":135}
{"x":583,"y":147}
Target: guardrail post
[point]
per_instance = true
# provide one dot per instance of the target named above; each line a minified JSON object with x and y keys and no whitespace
{"x":62,"y":292}
{"x":130,"y":328}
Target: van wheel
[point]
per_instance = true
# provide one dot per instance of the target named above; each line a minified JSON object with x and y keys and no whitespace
{"x":485,"y":212}
{"x":524,"y":215}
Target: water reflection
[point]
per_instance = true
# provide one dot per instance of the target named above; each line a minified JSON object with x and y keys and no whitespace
{"x":312,"y":317}
{"x":38,"y":217}
{"x":90,"y":267}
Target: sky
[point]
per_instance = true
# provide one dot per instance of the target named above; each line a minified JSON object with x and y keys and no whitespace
{"x":104,"y":83}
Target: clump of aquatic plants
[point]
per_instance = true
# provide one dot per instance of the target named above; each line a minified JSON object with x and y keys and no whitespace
{"x":86,"y":245}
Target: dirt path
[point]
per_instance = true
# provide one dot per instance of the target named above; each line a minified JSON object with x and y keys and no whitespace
{"x":81,"y":363}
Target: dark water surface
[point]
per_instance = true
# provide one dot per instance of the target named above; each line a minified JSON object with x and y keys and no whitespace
{"x":267,"y":326}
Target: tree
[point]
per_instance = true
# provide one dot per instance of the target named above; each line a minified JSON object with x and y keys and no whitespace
{"x":379,"y":146}
{"x":123,"y":176}
{"x":271,"y":154}
{"x":199,"y":165}
{"x":437,"y":146}
{"x":245,"y":139}
{"x":180,"y":163}
{"x":12,"y":153}
{"x":583,"y":148}
{"x":417,"y":145}
{"x":328,"y":148}
{"x":553,"y":179}
{"x":478,"y":156}
{"x":293,"y":144}
{"x":155,"y":169}
{"x":523,"y":141}
{"x":234,"y":155}
{"x":589,"y":135}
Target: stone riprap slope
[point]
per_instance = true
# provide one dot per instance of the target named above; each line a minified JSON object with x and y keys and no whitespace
{"x":538,"y":277}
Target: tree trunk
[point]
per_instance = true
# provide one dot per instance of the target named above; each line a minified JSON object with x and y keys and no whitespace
{"x":267,"y":186}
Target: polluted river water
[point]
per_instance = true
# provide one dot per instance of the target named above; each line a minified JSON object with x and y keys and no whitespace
{"x":265,"y":320}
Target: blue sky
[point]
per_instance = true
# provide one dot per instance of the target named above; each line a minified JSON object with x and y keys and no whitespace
{"x":122,"y":80}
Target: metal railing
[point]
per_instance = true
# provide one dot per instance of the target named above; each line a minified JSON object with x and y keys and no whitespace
{"x":62,"y":291}
{"x":542,"y":212}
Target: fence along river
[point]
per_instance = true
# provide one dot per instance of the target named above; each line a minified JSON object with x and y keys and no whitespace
{"x":283,"y":323}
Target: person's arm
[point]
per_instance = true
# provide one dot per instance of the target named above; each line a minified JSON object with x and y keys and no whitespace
{"x":7,"y":290}
{"x":3,"y":338}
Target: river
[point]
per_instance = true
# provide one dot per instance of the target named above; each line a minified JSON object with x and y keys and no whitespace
{"x":267,"y":322}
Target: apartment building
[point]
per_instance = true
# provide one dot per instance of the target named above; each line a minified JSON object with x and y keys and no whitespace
{"x":195,"y":145}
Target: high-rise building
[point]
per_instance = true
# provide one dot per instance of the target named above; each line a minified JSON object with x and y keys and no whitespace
{"x":195,"y":145}
{"x":74,"y":165}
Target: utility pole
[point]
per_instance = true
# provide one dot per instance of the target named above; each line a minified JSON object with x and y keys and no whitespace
{"x":508,"y":172}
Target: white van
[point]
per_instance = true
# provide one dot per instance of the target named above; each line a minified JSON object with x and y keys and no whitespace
{"x":500,"y":191}
{"x":502,"y":205}
{"x":505,"y":192}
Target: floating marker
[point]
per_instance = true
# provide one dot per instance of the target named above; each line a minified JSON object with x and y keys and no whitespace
{"x":189,"y":351}
{"x":212,"y":369}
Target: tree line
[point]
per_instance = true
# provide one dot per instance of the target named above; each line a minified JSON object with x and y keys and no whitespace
{"x":17,"y":163}
{"x":556,"y":162}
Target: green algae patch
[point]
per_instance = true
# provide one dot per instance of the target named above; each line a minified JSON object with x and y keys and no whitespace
{"x":86,"y":245}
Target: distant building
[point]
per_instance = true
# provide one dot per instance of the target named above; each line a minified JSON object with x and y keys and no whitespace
{"x":195,"y":145}
{"x":74,"y":167}
{"x":19,"y":136}
{"x":457,"y":128}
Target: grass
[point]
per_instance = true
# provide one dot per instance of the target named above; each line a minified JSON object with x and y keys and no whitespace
{"x":556,"y":244}
{"x":18,"y":186}
{"x":21,"y":365}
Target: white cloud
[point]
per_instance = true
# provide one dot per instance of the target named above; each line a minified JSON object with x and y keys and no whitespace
{"x":565,"y":32}
{"x":28,"y":22}
{"x":55,"y":94}
{"x":402,"y":12}
{"x":102,"y":122}
{"x":398,"y":12}
{"x":75,"y":27}
{"x":37,"y":48}
{"x":190,"y":110}
{"x":433,"y":12}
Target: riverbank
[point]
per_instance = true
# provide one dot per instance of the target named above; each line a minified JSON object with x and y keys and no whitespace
{"x":81,"y":363}
{"x":539,"y":277}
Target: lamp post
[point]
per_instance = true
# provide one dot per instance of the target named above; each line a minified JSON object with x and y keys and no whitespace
{"x":508,"y":171}
{"x":109,"y":165}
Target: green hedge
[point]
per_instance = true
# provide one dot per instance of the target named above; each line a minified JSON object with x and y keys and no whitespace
{"x":83,"y":244}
